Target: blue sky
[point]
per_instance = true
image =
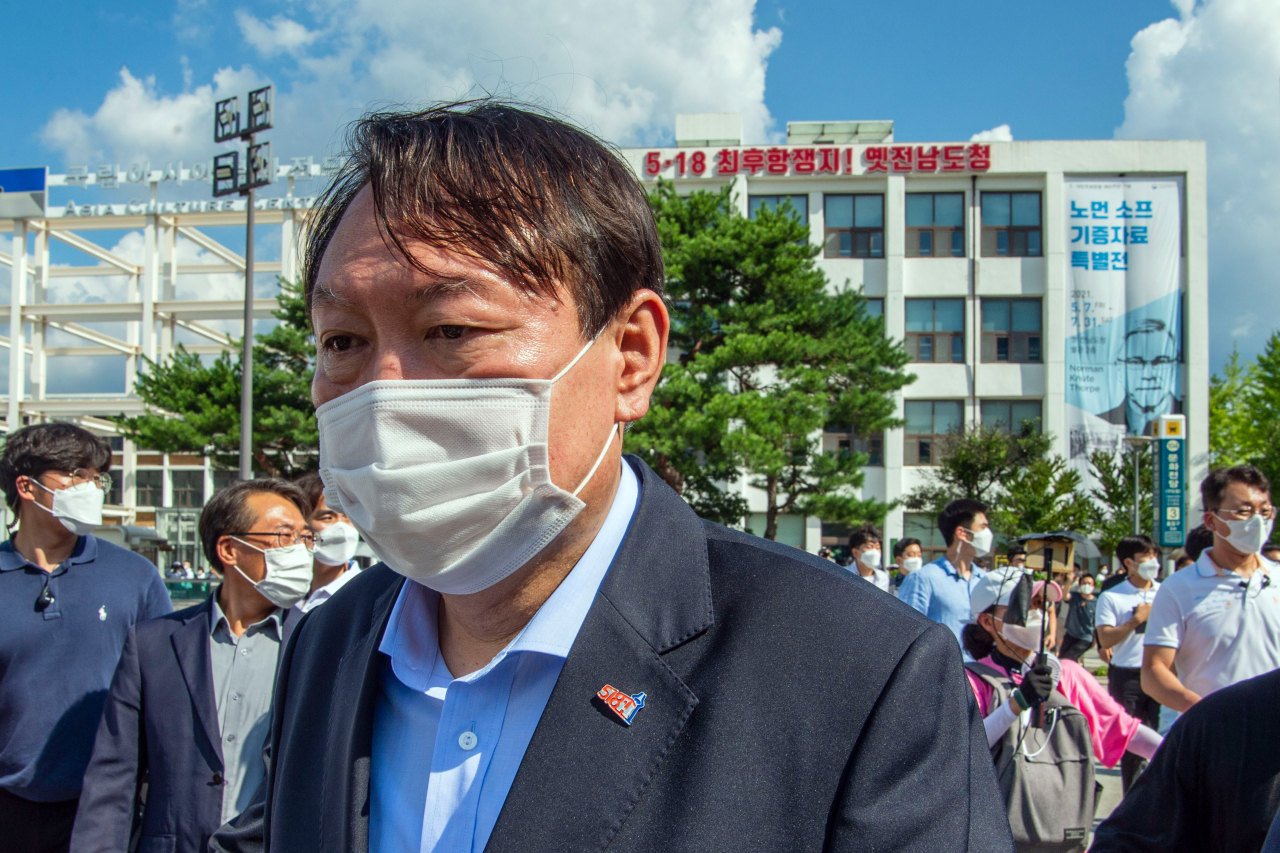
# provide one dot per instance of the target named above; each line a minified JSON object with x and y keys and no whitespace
{"x":1090,"y":69}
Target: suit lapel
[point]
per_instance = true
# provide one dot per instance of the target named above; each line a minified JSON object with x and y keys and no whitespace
{"x":655,"y":597}
{"x":191,"y":645}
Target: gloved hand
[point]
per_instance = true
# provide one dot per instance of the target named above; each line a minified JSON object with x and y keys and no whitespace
{"x":1037,"y":684}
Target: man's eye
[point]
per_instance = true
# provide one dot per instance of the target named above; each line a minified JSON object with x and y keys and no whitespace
{"x":452,"y":332}
{"x":338,"y":343}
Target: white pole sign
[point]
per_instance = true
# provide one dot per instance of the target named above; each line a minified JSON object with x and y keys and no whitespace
{"x":1124,"y":333}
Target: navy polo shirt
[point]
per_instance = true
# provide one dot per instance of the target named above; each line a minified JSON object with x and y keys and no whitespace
{"x":56,"y":664}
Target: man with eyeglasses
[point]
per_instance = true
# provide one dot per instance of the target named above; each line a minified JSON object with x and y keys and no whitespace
{"x":67,"y":600}
{"x":187,"y":710}
{"x":1217,"y":622}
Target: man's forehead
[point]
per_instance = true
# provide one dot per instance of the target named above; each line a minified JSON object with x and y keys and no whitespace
{"x":1244,"y":493}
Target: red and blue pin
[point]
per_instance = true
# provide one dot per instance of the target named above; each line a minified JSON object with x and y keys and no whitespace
{"x":624,"y":705}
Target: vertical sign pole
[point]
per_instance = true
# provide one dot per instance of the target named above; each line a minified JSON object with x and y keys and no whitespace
{"x":17,"y":360}
{"x":1137,"y":501}
{"x":246,"y":356}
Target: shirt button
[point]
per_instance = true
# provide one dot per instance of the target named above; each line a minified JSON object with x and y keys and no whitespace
{"x":231,"y":738}
{"x":235,"y":697}
{"x":244,"y":651}
{"x":217,"y":778}
{"x":468,"y":740}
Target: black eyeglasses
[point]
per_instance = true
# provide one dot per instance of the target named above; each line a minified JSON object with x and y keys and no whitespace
{"x":46,"y":597}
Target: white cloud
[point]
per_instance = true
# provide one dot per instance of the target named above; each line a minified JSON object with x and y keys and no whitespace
{"x":136,"y":123}
{"x":1211,"y":74}
{"x":279,"y":35}
{"x":1002,"y":133}
{"x":621,"y":69}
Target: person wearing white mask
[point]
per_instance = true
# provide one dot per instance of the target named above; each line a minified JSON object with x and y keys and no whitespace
{"x":556,"y":653}
{"x":864,"y":545}
{"x":908,"y":557}
{"x":1121,"y":622}
{"x":1217,"y":622}
{"x":67,"y":602}
{"x":336,"y":542}
{"x":187,"y":709}
{"x":1006,"y":654}
{"x":940,"y":590}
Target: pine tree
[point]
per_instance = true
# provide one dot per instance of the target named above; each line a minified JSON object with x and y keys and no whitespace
{"x":194,"y":407}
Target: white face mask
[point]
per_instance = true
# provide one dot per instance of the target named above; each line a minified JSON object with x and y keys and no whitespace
{"x":1086,"y":589}
{"x":1149,"y":569}
{"x":79,"y":508}
{"x":336,"y":544}
{"x":912,"y":564}
{"x":448,"y":480}
{"x":982,"y":540}
{"x":288,"y":574}
{"x":1024,"y":636}
{"x":870,"y":559}
{"x":1247,"y":536}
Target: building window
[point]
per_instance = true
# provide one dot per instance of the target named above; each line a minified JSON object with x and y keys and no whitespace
{"x":1011,"y":225}
{"x":799,"y":205}
{"x":846,"y":442}
{"x":875,"y":307}
{"x":854,"y":226}
{"x":148,"y":484}
{"x":1007,"y":416}
{"x":935,"y":225}
{"x":929,"y":422}
{"x":935,"y":330}
{"x":924,"y":528}
{"x":188,"y":488}
{"x":1011,"y":330}
{"x":115,"y":496}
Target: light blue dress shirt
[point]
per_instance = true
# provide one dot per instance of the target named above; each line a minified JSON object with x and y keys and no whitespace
{"x":445,"y":749}
{"x":938,"y":591}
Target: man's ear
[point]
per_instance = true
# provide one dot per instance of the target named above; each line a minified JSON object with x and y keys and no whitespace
{"x":226,"y":550}
{"x":26,"y":487}
{"x":641,"y":333}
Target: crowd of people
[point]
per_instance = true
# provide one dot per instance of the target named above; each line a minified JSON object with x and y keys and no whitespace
{"x":555,"y":652}
{"x":1211,"y":627}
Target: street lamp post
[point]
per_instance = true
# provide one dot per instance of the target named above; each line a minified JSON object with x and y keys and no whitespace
{"x":226,"y":181}
{"x":1137,"y":442}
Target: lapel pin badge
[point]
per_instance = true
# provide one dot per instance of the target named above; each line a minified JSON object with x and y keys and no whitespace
{"x":624,"y":705}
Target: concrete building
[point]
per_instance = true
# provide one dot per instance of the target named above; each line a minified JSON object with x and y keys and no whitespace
{"x":967,"y":251}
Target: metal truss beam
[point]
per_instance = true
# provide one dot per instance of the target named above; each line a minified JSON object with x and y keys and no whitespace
{"x":97,"y":337}
{"x":212,"y":246}
{"x":94,"y":250}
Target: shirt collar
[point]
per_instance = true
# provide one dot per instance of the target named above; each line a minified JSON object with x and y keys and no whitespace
{"x":219,"y":619}
{"x":86,"y":551}
{"x":410,"y":639}
{"x":975,"y":572}
{"x":1207,"y":568}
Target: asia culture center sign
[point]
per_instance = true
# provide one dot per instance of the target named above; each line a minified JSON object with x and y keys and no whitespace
{"x":1124,"y":333}
{"x":816,"y":160}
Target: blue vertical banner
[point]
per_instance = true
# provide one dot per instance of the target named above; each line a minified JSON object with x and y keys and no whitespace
{"x":1124,"y":303}
{"x":1170,"y":486}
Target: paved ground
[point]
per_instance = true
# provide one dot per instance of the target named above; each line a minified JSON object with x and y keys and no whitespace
{"x":1110,"y":779}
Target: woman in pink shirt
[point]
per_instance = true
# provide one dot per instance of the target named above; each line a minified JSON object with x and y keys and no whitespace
{"x":1008,"y":649}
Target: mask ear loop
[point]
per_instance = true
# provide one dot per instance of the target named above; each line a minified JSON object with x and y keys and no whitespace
{"x":576,"y":358}
{"x":608,"y":443}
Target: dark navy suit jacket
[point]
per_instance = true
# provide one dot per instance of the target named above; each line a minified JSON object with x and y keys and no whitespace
{"x":159,"y":726}
{"x":790,"y":706}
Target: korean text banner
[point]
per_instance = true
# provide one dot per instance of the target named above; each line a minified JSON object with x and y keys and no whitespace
{"x":1124,"y":333}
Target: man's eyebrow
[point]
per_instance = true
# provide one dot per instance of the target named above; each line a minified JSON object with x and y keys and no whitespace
{"x":322,"y":294}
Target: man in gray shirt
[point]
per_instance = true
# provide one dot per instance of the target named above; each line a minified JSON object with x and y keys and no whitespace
{"x":188,"y":707}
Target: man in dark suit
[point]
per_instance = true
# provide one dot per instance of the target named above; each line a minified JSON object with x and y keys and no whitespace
{"x":187,"y":711}
{"x":556,"y":653}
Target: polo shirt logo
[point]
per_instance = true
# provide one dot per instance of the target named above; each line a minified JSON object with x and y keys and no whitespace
{"x":102,"y":613}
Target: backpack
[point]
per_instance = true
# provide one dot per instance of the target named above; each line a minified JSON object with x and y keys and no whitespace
{"x":1046,"y":775}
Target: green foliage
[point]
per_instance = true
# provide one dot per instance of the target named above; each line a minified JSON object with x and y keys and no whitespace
{"x":975,"y":463}
{"x":1231,"y":425}
{"x":195,"y":407}
{"x":768,"y":357}
{"x":1026,"y":489}
{"x":1114,"y":495}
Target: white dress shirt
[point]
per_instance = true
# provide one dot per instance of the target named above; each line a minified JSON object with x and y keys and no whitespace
{"x":445,"y":749}
{"x":324,"y":593}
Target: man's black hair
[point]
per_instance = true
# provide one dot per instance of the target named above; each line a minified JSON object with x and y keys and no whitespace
{"x":228,"y":511}
{"x":1015,"y":550}
{"x":1212,"y":487}
{"x":863,"y":534}
{"x":900,"y":547}
{"x":33,"y":450}
{"x":958,"y":513}
{"x":1197,"y":540}
{"x":1131,"y":546}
